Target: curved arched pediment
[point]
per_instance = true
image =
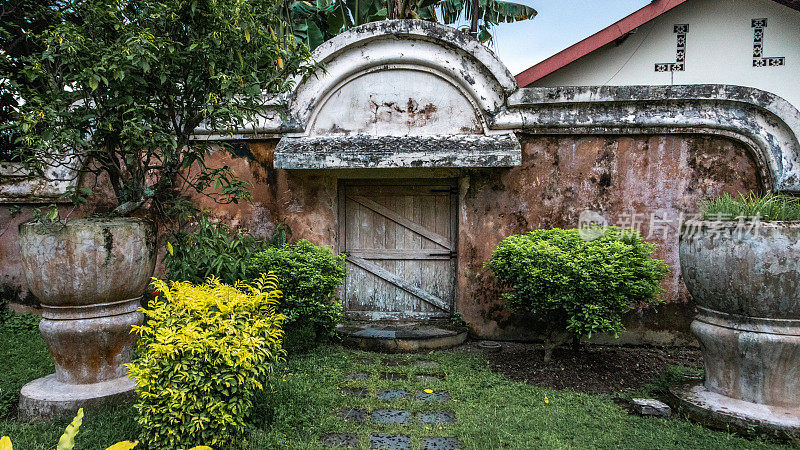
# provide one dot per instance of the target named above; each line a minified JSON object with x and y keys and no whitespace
{"x":399,"y":93}
{"x":400,"y":78}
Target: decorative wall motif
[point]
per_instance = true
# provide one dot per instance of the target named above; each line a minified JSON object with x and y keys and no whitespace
{"x":759,"y":60}
{"x":680,"y":55}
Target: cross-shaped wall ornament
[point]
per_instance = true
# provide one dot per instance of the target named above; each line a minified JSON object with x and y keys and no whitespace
{"x":680,"y":55}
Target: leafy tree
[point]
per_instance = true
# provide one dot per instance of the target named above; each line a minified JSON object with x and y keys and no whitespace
{"x":129,"y":82}
{"x":574,"y":283}
{"x":20,"y":20}
{"x":315,"y":21}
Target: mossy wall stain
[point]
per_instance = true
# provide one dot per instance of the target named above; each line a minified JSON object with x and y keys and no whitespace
{"x":618,"y":177}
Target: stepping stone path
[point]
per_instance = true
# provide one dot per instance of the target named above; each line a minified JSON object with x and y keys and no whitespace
{"x":358,"y":376}
{"x":392,"y":394}
{"x":391,"y":416}
{"x":394,"y":362}
{"x":393,"y":376}
{"x":390,"y":441}
{"x":428,"y":378}
{"x":395,"y":423}
{"x":428,"y":364}
{"x":440,"y":443}
{"x":437,"y":418}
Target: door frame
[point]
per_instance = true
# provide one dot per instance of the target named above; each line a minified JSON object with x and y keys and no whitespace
{"x":341,"y":245}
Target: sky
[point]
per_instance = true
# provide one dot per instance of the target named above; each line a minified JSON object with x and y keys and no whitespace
{"x":559,"y":24}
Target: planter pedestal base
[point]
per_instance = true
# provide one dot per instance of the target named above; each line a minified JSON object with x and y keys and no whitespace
{"x":719,"y":411}
{"x":47,"y":398}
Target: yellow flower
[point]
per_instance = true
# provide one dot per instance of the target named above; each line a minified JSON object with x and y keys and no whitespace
{"x":429,"y":391}
{"x":546,"y":400}
{"x":170,"y":249}
{"x":5,"y":443}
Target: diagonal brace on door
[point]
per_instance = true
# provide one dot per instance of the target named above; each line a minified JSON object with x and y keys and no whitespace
{"x":402,"y":221}
{"x":384,"y":274}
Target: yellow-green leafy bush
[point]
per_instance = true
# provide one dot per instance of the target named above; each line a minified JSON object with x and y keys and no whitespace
{"x":204,"y":351}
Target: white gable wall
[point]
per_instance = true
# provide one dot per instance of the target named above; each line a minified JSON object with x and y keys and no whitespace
{"x":719,"y":50}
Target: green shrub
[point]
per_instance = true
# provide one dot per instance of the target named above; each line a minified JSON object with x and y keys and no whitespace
{"x":575,"y":287}
{"x":203,"y":354}
{"x":768,"y":207}
{"x":309,"y":275}
{"x":214,"y":249}
{"x":309,"y":278}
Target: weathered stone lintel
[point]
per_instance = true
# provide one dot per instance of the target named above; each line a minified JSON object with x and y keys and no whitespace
{"x":764,"y":122}
{"x":361,"y":152}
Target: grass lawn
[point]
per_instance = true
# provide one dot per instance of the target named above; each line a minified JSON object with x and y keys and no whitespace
{"x":300,"y":406}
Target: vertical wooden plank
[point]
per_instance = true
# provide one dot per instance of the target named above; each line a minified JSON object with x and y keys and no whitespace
{"x":428,"y":217}
{"x":382,"y":290}
{"x":444,"y":276}
{"x":354,"y":280}
{"x":363,"y":228}
{"x":394,"y":294}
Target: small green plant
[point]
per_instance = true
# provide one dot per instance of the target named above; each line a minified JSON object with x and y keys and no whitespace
{"x":210,"y":249}
{"x":203,"y":353}
{"x":47,"y":215}
{"x":310,"y":276}
{"x":457,"y":320}
{"x":574,"y":287}
{"x":13,"y":322}
{"x":766,"y":207}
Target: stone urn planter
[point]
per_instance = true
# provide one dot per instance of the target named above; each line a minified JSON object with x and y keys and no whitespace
{"x":746,"y":283}
{"x":89,"y":276}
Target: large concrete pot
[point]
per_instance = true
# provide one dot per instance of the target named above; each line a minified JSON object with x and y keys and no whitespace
{"x":89,"y":276}
{"x":746,"y":283}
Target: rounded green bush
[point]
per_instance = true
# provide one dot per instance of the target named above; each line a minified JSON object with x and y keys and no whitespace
{"x":310,"y":276}
{"x":574,"y":286}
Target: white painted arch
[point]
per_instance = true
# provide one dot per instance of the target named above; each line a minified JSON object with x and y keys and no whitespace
{"x":400,"y":78}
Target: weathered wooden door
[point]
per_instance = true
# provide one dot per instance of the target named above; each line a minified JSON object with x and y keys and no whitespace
{"x":400,"y":241}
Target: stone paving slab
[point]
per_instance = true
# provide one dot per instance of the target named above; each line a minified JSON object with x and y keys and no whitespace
{"x":437,"y":418}
{"x":365,"y":361}
{"x":394,"y":362}
{"x":393,"y":416}
{"x":428,"y":364}
{"x":435,"y":396}
{"x":389,"y":442}
{"x":429,"y":378}
{"x":353,"y":414}
{"x":357,"y":376}
{"x":340,"y":440}
{"x":394,"y":376}
{"x":440,"y":443}
{"x":354,"y":392}
{"x":392,"y":394}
